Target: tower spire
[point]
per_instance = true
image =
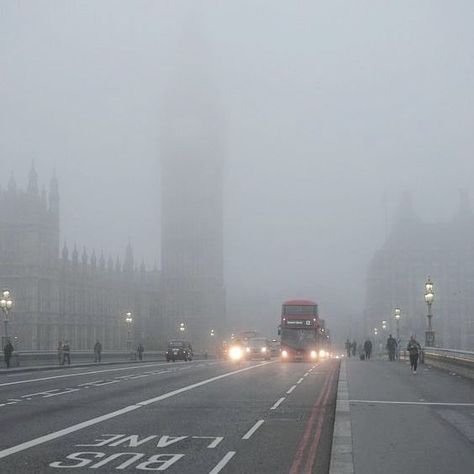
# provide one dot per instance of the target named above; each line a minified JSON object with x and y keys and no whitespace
{"x":33,"y":181}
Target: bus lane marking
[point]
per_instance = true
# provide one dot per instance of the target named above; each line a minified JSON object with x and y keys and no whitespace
{"x":222,"y":463}
{"x":278,"y":403}
{"x":108,"y":416}
{"x":252,"y":430}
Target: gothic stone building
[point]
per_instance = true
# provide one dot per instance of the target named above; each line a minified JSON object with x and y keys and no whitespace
{"x":413,"y":251}
{"x":69,"y":296}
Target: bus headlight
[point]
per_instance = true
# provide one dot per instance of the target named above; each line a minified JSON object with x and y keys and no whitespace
{"x":284,"y":354}
{"x":264,"y":349}
{"x":235,"y":353}
{"x":322,"y":353}
{"x":313,"y":354}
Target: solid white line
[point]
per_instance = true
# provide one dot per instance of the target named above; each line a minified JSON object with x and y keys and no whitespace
{"x":80,"y":374}
{"x":277,"y":404}
{"x":300,"y":380}
{"x":94,"y":421}
{"x":252,"y":430}
{"x":221,"y":464}
{"x":390,"y":402}
{"x":291,"y":389}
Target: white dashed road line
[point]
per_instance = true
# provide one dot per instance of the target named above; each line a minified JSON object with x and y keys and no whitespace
{"x":300,"y":380}
{"x":252,"y":430}
{"x":291,"y":389}
{"x":278,"y":403}
{"x":221,"y":464}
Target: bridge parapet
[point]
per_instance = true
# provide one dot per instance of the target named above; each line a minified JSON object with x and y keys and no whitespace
{"x":461,"y":362}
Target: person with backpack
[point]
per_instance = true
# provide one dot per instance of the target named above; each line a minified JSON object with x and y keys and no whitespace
{"x":414,"y":349}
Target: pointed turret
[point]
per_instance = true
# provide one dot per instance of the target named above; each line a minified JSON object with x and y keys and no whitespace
{"x":84,"y":256}
{"x":128,"y":262}
{"x":102,"y":260}
{"x":43,"y":198}
{"x":75,"y":255}
{"x":65,"y":252}
{"x":93,"y":260}
{"x":33,"y":181}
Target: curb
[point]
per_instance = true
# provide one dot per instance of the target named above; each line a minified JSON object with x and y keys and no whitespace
{"x":342,"y":459}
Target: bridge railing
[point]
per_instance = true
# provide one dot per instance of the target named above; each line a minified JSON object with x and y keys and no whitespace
{"x":450,"y":355}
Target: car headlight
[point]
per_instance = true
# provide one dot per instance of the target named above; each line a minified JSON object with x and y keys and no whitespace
{"x":313,"y":354}
{"x":247,"y":349}
{"x":264,"y":349}
{"x":322,"y":353}
{"x":284,"y":354}
{"x":235,"y":353}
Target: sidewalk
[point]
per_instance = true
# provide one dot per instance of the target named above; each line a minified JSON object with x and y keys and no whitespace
{"x":405,"y":423}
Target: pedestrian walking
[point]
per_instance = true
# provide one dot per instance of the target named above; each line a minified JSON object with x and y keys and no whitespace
{"x":348,"y":347}
{"x":97,"y":352}
{"x":60,"y":352}
{"x":354,"y":347}
{"x":140,"y":351}
{"x":66,"y":353}
{"x":7,"y":353}
{"x":414,"y":350}
{"x":391,"y":347}
{"x":368,"y":349}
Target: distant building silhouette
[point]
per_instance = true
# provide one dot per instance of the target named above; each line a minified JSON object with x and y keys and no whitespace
{"x":192,"y":156}
{"x":398,"y":271}
{"x":69,"y":295}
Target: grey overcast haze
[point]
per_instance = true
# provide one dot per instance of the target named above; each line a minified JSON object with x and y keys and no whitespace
{"x":332,"y":110}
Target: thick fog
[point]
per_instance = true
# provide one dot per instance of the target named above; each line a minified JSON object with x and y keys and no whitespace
{"x":332,"y":109}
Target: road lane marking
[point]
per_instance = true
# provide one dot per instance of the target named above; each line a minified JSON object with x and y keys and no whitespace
{"x":306,"y":374}
{"x":16,"y":382}
{"x":221,"y":464}
{"x":94,"y":421}
{"x":278,"y":403}
{"x":291,"y":389}
{"x":252,"y":430}
{"x":300,"y":380}
{"x":394,"y":402}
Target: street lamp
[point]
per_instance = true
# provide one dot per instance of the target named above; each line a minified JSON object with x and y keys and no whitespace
{"x":182,"y":328}
{"x":6,"y":303}
{"x":397,"y":319}
{"x":129,"y":321}
{"x":212,"y":333}
{"x":429,"y":297}
{"x":384,"y":325}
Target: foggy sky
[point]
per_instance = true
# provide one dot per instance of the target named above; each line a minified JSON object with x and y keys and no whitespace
{"x":332,"y":109}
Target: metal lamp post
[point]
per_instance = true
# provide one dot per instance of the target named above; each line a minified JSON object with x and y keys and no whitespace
{"x":397,"y":320}
{"x":129,"y":321}
{"x":429,"y":297}
{"x":182,"y":328}
{"x":6,"y":303}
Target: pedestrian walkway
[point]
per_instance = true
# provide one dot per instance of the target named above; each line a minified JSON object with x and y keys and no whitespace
{"x":405,"y":423}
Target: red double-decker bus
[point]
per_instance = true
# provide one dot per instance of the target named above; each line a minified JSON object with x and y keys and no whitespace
{"x":299,"y":330}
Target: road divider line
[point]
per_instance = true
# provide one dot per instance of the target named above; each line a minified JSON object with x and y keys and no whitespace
{"x":252,"y":430}
{"x":300,"y":380}
{"x":291,"y":389}
{"x":94,"y":421}
{"x":394,"y":402}
{"x":278,"y":403}
{"x":222,"y":463}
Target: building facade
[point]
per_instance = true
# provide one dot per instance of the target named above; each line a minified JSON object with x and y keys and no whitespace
{"x":414,"y":251}
{"x":69,"y":295}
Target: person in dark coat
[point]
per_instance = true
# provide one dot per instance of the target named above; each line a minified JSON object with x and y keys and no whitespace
{"x":391,"y":347}
{"x":368,"y":349}
{"x":348,"y":347}
{"x":66,"y":353}
{"x":7,"y":353}
{"x":140,"y":351}
{"x":354,"y":347}
{"x":97,"y":351}
{"x":414,"y":350}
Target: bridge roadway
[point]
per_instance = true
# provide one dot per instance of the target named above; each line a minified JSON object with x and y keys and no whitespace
{"x":196,"y":417}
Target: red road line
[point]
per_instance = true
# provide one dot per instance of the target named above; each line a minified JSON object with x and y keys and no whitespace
{"x":319,"y":428}
{"x":309,"y":427}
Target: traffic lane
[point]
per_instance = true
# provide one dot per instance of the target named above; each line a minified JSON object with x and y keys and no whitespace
{"x":297,"y":436}
{"x":194,"y":432}
{"x":42,"y":415}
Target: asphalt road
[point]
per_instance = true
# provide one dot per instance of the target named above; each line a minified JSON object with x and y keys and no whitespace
{"x":195,"y":417}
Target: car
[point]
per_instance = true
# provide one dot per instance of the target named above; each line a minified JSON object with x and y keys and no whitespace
{"x":258,"y":348}
{"x":179,"y":350}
